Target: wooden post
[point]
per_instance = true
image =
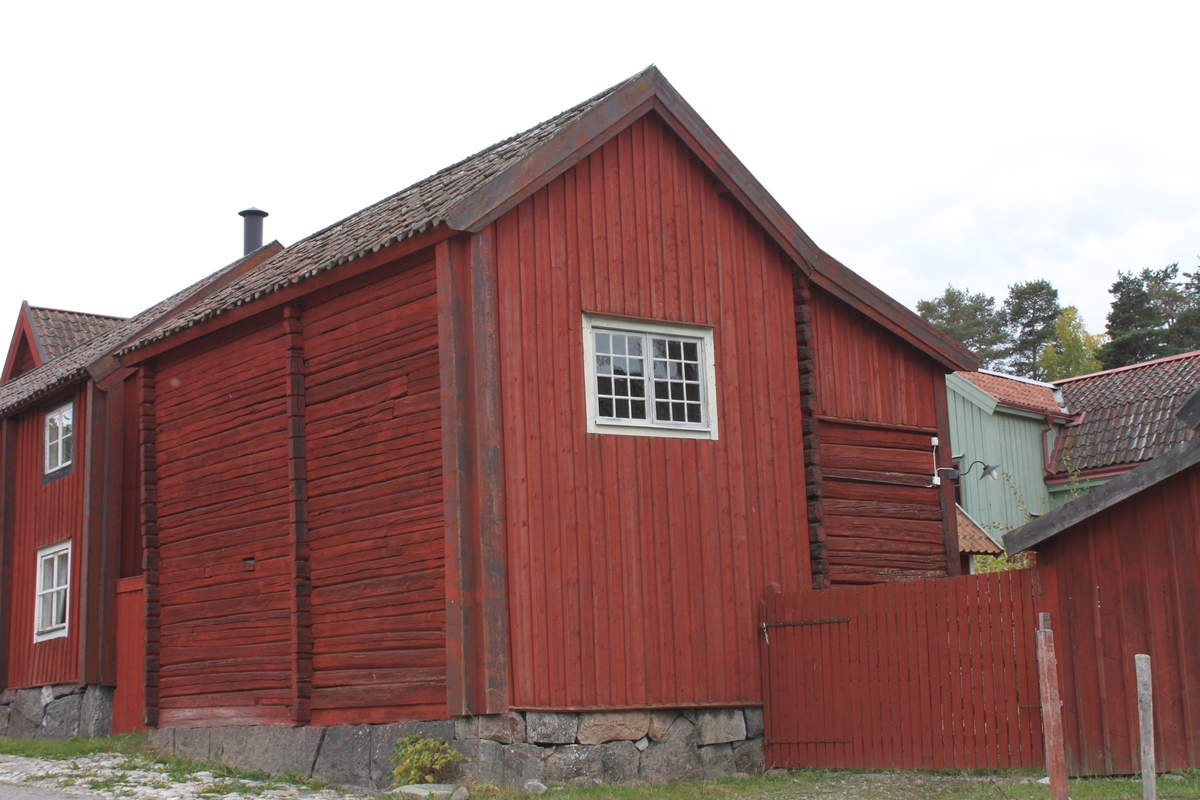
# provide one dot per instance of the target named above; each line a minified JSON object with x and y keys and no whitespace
{"x":1056,"y":758}
{"x":1146,"y":724}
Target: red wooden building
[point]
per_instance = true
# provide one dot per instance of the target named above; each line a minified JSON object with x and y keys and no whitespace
{"x":1118,"y":569}
{"x":531,"y":435}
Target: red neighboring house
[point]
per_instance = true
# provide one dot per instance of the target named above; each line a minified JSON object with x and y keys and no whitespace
{"x":521,"y":444}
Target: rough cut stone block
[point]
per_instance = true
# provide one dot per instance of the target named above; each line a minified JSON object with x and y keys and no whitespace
{"x":660,"y":723}
{"x":717,"y":760}
{"x":550,"y":728}
{"x":620,"y":762}
{"x":95,"y":713}
{"x":61,"y":717}
{"x":430,"y":791}
{"x":5,"y":712}
{"x":642,"y":743}
{"x":19,"y":726}
{"x":674,"y":758}
{"x":466,"y":727}
{"x":749,"y":757}
{"x":754,"y":722}
{"x":345,"y":755}
{"x":720,"y":725}
{"x":271,"y":748}
{"x":612,"y":726}
{"x":8,"y":697}
{"x":507,"y":728}
{"x":573,"y":762}
{"x":461,"y":793}
{"x":162,"y":739}
{"x":535,"y":787}
{"x":29,"y":705}
{"x":487,"y":760}
{"x":524,"y":762}
{"x":194,"y":743}
{"x":383,"y":739}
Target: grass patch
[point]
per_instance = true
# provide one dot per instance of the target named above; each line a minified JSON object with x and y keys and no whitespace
{"x":60,"y":749}
{"x":845,"y":784}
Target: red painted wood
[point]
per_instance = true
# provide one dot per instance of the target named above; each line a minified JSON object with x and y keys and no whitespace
{"x":128,"y":695}
{"x":44,"y":513}
{"x":886,"y":644}
{"x":672,"y":541}
{"x":1127,"y":581}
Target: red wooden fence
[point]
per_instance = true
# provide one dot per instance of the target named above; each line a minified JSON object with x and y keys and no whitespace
{"x":934,"y":674}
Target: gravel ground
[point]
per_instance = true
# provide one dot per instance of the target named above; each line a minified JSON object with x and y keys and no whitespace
{"x":113,"y":776}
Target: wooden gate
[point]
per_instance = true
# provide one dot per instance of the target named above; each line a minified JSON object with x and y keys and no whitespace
{"x":935,"y":674}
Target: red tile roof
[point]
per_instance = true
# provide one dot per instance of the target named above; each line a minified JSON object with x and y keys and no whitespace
{"x":1128,"y":414}
{"x":1015,"y":391}
{"x":972,"y":538}
{"x":59,"y":331}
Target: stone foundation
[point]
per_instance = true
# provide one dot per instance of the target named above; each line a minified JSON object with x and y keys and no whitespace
{"x":56,"y":712}
{"x":620,"y":747}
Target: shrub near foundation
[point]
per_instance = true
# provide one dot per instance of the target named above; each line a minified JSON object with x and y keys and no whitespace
{"x":419,"y":759}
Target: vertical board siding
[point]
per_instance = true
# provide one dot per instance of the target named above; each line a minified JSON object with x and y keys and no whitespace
{"x":635,"y":563}
{"x":127,"y":696}
{"x":44,"y":513}
{"x":221,"y":427}
{"x":373,"y":423}
{"x":1012,"y":440}
{"x":936,"y":674}
{"x":1123,"y":582}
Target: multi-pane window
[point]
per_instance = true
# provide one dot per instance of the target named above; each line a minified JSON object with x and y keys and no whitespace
{"x":60,"y":430}
{"x":54,"y":577}
{"x":649,"y":375}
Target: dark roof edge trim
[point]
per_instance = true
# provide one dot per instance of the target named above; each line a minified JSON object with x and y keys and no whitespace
{"x":1087,"y":505}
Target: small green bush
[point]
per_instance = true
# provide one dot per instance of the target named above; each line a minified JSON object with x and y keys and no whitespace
{"x":419,"y":759}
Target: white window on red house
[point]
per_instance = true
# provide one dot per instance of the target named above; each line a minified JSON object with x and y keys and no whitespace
{"x":60,"y":444}
{"x":53,"y":591}
{"x":649,"y":378}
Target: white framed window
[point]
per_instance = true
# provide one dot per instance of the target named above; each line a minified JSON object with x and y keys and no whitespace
{"x":649,"y":378}
{"x":53,"y":591}
{"x":60,"y":437}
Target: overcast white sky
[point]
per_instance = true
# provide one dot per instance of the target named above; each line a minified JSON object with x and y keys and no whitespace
{"x":920,"y":144}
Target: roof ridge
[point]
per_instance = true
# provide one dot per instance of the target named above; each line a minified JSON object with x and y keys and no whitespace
{"x":1127,"y":367}
{"x":1030,"y":381}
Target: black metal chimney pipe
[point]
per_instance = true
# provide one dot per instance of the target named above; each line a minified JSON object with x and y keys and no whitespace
{"x":252,"y":229}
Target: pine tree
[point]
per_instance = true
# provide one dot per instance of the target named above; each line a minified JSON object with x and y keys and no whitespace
{"x":1135,"y":327}
{"x":972,"y":319}
{"x":1029,"y":314}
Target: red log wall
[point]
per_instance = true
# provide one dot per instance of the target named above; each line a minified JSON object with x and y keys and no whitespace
{"x":635,"y":563}
{"x":375,"y":502}
{"x":225,"y":625}
{"x":871,"y":410}
{"x":44,"y":513}
{"x":1127,"y":581}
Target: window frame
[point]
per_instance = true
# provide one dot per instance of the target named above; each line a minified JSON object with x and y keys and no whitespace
{"x":62,"y":466}
{"x":651,"y":427}
{"x":42,"y":593}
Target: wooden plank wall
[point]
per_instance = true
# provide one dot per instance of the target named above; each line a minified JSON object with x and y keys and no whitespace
{"x":635,"y":563}
{"x":872,"y":404}
{"x":937,"y":674}
{"x":128,"y":698}
{"x":1123,"y":582}
{"x":223,"y":492}
{"x":375,"y":501}
{"x":44,"y":513}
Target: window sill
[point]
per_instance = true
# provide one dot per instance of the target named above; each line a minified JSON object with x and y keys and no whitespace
{"x":61,"y":472}
{"x":650,"y":430}
{"x":48,"y":635}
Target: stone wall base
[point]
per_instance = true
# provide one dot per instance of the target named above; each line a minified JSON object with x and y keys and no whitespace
{"x":623,"y":747}
{"x":56,"y":712}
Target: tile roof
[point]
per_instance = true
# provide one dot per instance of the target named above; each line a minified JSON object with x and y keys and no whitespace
{"x":972,"y":538}
{"x":405,"y":214}
{"x":59,"y":331}
{"x":1128,"y":414}
{"x":1015,"y":391}
{"x":72,"y":365}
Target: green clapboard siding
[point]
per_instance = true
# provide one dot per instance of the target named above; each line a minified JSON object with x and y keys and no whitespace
{"x":1002,"y":435}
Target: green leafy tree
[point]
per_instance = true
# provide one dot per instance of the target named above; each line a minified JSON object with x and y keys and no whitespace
{"x":1154,"y":314}
{"x":1030,"y":312}
{"x":1072,"y":351}
{"x":972,"y":319}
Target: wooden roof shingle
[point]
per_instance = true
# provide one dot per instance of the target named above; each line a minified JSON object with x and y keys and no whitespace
{"x":59,"y":331}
